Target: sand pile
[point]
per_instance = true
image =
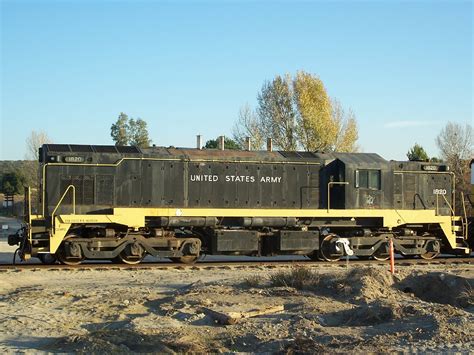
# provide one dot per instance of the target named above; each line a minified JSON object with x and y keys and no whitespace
{"x":126,"y":341}
{"x":376,"y":312}
{"x":360,"y":284}
{"x":369,"y":283}
{"x":440,"y":288}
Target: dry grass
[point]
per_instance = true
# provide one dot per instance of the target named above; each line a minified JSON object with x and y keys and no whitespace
{"x":254,"y":281}
{"x":298,"y":277}
{"x":466,"y":297}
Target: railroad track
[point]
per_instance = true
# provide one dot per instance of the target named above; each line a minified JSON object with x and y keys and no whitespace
{"x":205,"y":265}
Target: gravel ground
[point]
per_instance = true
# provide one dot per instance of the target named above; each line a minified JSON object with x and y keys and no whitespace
{"x":330,"y":309}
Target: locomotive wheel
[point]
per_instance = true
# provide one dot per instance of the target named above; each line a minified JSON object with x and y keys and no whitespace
{"x":429,"y":255}
{"x":191,"y":250}
{"x":381,"y":254}
{"x":68,"y":260}
{"x":72,"y":255}
{"x":132,"y":254}
{"x":432,"y":252}
{"x":130,"y":260}
{"x":188,"y":259}
{"x":327,"y":249}
{"x":48,"y":259}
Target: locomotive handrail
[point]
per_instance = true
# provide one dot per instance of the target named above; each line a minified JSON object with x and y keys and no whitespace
{"x":452,"y":213}
{"x":61,"y":200}
{"x":27,"y":212}
{"x":464,"y":219}
{"x":329,"y":190}
{"x":419,"y":198}
{"x":450,"y":207}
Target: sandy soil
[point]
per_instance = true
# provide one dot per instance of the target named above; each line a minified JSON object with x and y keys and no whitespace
{"x":330,"y":309}
{"x":327,"y":309}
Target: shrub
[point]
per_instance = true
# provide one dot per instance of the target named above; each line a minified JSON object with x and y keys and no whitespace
{"x":298,"y":277}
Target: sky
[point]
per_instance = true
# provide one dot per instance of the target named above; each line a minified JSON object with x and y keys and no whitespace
{"x":186,"y":67}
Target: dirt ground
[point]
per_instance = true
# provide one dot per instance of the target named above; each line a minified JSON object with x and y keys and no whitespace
{"x":328,"y":309}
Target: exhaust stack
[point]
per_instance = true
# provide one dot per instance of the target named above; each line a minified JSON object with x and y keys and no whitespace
{"x":269,"y":145}
{"x":199,"y":141}
{"x":248,"y":144}
{"x":220,"y":143}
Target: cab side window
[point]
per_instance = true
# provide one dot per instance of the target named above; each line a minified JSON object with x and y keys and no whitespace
{"x":368,"y":179}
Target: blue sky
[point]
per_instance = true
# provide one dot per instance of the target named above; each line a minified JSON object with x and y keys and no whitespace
{"x":70,"y":67}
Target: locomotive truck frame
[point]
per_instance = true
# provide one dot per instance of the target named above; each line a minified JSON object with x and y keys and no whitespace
{"x":123,"y":203}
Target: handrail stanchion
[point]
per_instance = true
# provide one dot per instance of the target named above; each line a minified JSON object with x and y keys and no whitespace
{"x":437,"y":205}
{"x":59,"y":203}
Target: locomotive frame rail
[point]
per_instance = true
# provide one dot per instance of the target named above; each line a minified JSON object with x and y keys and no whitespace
{"x":135,"y":218}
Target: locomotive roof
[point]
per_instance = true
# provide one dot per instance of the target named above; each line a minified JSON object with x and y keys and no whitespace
{"x":356,"y":159}
{"x":83,"y":148}
{"x":214,"y":154}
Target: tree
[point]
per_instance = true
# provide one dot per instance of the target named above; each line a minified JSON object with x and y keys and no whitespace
{"x":298,"y":113}
{"x":248,"y":125}
{"x":417,"y":153}
{"x":316,"y":129}
{"x":12,"y":183}
{"x":120,"y":130}
{"x":138,"y":133}
{"x":128,"y":131}
{"x":276,"y":112}
{"x":347,"y":131}
{"x":34,"y":141}
{"x":455,"y":145}
{"x":228,"y":144}
{"x":30,"y":168}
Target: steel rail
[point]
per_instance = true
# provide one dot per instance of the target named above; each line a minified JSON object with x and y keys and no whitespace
{"x":399,"y":262}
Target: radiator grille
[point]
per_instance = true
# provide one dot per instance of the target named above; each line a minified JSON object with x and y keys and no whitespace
{"x":84,"y":186}
{"x":105,"y":189}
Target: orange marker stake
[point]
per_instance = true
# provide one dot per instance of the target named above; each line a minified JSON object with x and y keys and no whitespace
{"x":392,"y":258}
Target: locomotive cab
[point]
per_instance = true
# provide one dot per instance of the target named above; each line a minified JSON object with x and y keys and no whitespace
{"x":357,"y":181}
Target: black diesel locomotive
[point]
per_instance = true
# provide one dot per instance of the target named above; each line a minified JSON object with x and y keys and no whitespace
{"x":122,"y":203}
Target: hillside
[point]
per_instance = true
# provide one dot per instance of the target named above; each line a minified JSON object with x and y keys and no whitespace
{"x":27,"y":168}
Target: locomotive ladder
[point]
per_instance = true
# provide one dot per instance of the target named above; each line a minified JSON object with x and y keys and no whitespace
{"x":459,"y":224}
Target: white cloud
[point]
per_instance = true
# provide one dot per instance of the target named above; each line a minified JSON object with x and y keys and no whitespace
{"x":413,"y":123}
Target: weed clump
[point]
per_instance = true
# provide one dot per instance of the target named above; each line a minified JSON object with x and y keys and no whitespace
{"x":297,"y":277}
{"x":466,"y":297}
{"x":254,"y":281}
